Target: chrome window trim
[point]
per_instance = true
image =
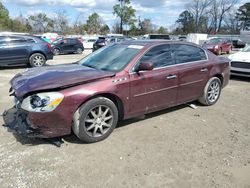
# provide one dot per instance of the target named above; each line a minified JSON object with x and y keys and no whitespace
{"x":158,"y":68}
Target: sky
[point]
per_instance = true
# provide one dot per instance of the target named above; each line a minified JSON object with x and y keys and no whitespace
{"x":161,"y":12}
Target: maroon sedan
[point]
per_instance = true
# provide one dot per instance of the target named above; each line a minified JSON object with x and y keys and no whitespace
{"x":117,"y":82}
{"x":219,"y":46}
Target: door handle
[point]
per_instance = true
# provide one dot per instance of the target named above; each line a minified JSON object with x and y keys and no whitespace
{"x":171,"y":76}
{"x":204,"y":70}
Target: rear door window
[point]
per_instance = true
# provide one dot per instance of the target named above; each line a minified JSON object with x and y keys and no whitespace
{"x":184,"y":53}
{"x":17,"y":40}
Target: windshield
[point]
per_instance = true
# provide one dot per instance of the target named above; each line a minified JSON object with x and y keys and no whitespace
{"x":111,"y":58}
{"x":214,"y":41}
{"x":246,"y":49}
{"x":57,"y":41}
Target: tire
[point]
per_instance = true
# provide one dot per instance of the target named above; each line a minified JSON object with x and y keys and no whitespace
{"x":211,"y":92}
{"x":229,"y":51}
{"x":79,"y":50}
{"x":37,"y":60}
{"x":219,"y":52}
{"x":56,"y":51}
{"x":89,"y":123}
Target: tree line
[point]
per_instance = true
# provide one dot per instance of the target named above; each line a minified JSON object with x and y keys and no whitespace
{"x":203,"y":16}
{"x":213,"y":17}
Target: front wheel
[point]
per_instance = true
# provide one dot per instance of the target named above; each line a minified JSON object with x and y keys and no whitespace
{"x":79,"y":50}
{"x":229,"y":51}
{"x":211,"y":92}
{"x":95,"y":120}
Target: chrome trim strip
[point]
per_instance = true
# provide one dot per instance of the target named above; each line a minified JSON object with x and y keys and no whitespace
{"x":154,"y":91}
{"x":188,"y":83}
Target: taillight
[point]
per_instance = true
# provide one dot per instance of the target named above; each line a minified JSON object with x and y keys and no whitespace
{"x":49,"y":45}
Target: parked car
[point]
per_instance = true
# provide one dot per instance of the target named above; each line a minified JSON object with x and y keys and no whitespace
{"x":67,"y":45}
{"x":117,"y":82}
{"x":103,"y":41}
{"x":17,"y":49}
{"x":219,"y":45}
{"x":240,"y":62}
{"x":157,"y":36}
{"x":182,"y":38}
{"x":88,"y":43}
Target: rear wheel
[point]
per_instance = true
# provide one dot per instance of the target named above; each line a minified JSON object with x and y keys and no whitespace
{"x":95,"y":120}
{"x":56,"y":51}
{"x":37,"y":60}
{"x":211,"y":92}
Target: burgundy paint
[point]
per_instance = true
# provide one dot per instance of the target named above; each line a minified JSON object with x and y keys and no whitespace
{"x":139,"y":93}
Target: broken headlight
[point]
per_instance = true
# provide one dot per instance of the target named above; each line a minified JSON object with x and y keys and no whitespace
{"x":42,"y":102}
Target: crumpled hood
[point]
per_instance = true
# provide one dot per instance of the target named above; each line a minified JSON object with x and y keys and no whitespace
{"x":240,"y":56}
{"x":52,"y":77}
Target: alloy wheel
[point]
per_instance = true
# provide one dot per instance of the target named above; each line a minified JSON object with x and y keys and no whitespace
{"x":213,"y":91}
{"x":98,"y":121}
{"x":38,"y":61}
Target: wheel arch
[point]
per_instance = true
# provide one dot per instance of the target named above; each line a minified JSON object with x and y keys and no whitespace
{"x":38,"y":52}
{"x":114,"y":98}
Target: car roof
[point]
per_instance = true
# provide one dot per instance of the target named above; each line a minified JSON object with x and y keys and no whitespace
{"x":26,"y":36}
{"x":155,"y":42}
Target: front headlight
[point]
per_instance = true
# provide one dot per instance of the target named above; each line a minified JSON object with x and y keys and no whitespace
{"x":216,"y":47}
{"x":42,"y":102}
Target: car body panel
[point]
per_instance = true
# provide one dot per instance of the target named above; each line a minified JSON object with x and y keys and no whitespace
{"x":240,"y":64}
{"x":67,"y":45}
{"x":223,"y":46}
{"x":54,"y":77}
{"x":133,"y":92}
{"x":16,"y":49}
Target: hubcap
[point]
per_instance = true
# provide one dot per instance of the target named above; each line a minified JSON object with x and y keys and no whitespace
{"x":56,"y":51}
{"x":213,"y":92}
{"x":38,"y":61}
{"x":79,"y":50}
{"x":98,"y":121}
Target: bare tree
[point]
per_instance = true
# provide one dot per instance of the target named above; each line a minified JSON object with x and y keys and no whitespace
{"x":61,"y":21}
{"x":199,"y":9}
{"x":218,"y":10}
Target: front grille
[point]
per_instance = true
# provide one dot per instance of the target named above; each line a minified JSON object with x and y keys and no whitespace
{"x":238,"y":64}
{"x":240,"y":73}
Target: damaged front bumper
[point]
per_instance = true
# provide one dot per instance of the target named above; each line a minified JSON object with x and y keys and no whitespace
{"x":15,"y":120}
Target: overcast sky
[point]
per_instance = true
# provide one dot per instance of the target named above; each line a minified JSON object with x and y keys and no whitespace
{"x":161,"y":12}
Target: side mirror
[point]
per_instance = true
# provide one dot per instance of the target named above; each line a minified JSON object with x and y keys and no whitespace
{"x":145,"y":66}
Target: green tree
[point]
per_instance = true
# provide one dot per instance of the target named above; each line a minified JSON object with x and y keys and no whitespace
{"x":125,"y":12}
{"x":4,"y":17}
{"x":94,"y":24}
{"x":187,"y":22}
{"x":41,"y":22}
{"x":105,"y":29}
{"x":162,"y":30}
{"x":243,"y":15}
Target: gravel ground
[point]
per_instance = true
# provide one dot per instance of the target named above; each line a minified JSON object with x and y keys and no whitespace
{"x":178,"y":147}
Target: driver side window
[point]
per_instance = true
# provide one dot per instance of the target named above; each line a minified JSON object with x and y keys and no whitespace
{"x":160,"y":56}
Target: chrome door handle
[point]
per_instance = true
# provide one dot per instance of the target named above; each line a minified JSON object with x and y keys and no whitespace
{"x":171,"y":77}
{"x":204,"y":70}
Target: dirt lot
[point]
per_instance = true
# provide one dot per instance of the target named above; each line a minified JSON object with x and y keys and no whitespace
{"x":179,"y":147}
